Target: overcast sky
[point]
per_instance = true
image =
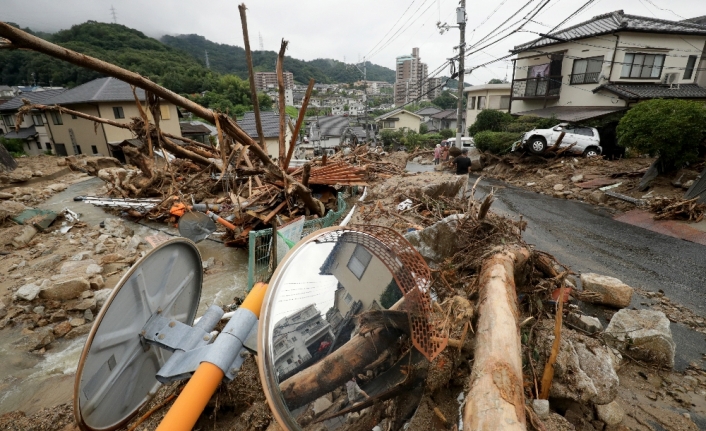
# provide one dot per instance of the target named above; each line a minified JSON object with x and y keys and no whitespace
{"x":343,"y":30}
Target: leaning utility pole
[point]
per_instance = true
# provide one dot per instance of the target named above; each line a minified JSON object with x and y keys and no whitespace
{"x":461,"y":21}
{"x":365,"y":96}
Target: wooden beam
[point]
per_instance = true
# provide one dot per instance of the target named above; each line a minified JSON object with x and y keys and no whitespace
{"x":300,"y":120}
{"x":251,"y":75}
{"x":282,"y":106}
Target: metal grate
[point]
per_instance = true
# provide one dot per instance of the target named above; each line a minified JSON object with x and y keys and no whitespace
{"x":260,"y":243}
{"x":411,"y":274}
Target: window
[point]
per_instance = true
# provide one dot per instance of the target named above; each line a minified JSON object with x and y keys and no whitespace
{"x":359,"y":261}
{"x":644,"y":66}
{"x":77,"y":150}
{"x":164,"y":112}
{"x":481,"y":102}
{"x":48,"y":145}
{"x":586,"y":70}
{"x":9,"y":120}
{"x":39,"y":145}
{"x":504,"y":102}
{"x":37,"y":120}
{"x":118,"y":112}
{"x":471,"y":102}
{"x":56,"y":118}
{"x":94,"y":149}
{"x":61,"y":150}
{"x":73,"y":117}
{"x":348,"y":298}
{"x":690,"y":63}
{"x":388,"y":125}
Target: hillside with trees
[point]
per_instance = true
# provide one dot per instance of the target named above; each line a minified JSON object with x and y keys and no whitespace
{"x":231,"y":59}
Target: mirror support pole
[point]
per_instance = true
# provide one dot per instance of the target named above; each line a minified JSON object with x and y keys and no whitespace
{"x":182,"y":416}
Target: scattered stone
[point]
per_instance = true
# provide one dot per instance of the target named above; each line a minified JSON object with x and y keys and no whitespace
{"x":58,"y":316}
{"x":27,"y":292}
{"x":93,"y":269}
{"x":88,"y":315}
{"x":101,"y":296}
{"x":609,"y":290}
{"x":587,"y":323}
{"x":62,"y":329}
{"x":87,"y":294}
{"x":81,"y":255}
{"x":101,"y":248}
{"x":28,"y":232}
{"x":77,"y":321}
{"x":57,"y":187}
{"x":47,"y":263}
{"x":19,"y":175}
{"x":84,"y":304}
{"x":110,"y":258}
{"x":76,"y":267}
{"x":208,"y":263}
{"x":321,"y":404}
{"x":79,"y":331}
{"x":38,"y":310}
{"x":33,"y":340}
{"x":577,"y":178}
{"x":643,"y":334}
{"x":116,"y":227}
{"x":65,"y":289}
{"x":4,"y":195}
{"x":438,"y":241}
{"x":558,"y":187}
{"x":37,"y":174}
{"x":541,"y":408}
{"x":556,"y":422}
{"x":611,"y":413}
{"x":96,"y":282}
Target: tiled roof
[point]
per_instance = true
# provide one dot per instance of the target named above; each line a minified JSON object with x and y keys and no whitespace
{"x":448,"y":114}
{"x":572,"y":113}
{"x":615,"y":21}
{"x":34,"y":97}
{"x":333,"y":125}
{"x":99,"y":90}
{"x":270,"y":124}
{"x":395,"y":112}
{"x":654,"y":91}
{"x":430,"y":110}
{"x":194,"y":129}
{"x":23,"y":133}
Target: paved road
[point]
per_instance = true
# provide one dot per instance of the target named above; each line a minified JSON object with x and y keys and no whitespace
{"x":588,"y":240}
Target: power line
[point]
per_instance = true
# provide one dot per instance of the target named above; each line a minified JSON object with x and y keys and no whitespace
{"x":669,"y":10}
{"x":393,"y":26}
{"x":402,"y":29}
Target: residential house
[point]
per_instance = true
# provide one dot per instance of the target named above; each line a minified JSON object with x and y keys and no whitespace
{"x":108,"y":98}
{"x":487,"y":96}
{"x":297,"y":338}
{"x":607,"y":64}
{"x":398,"y":119}
{"x":7,"y":92}
{"x":270,"y":128}
{"x":197,"y":131}
{"x":361,"y":276}
{"x":328,"y":132}
{"x":34,"y":128}
{"x":427,"y":112}
{"x":447,"y":119}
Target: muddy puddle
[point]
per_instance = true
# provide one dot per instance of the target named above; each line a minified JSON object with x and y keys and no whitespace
{"x":30,"y":382}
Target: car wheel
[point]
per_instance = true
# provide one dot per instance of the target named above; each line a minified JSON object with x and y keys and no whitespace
{"x":537,"y":145}
{"x":591,"y":152}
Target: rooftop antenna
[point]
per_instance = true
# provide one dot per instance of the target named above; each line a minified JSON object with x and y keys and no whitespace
{"x":262,"y":45}
{"x":115,"y":16}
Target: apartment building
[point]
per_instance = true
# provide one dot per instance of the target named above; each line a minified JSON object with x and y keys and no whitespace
{"x":268,"y":80}
{"x":410,"y":78}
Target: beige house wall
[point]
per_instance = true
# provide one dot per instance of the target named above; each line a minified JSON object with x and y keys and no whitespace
{"x":273,"y":144}
{"x":116,"y":134}
{"x":406,"y":120}
{"x":84,"y":131}
{"x":492,"y":101}
{"x":677,"y":48}
{"x":366,"y":290}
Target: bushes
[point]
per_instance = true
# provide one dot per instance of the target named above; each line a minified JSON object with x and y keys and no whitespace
{"x":672,"y":129}
{"x":490,"y":119}
{"x":495,"y":142}
{"x":13,"y":146}
{"x":446,"y":133}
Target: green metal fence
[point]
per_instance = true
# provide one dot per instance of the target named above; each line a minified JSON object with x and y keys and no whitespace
{"x":260,"y":243}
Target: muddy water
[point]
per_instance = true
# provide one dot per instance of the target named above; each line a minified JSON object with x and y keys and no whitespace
{"x":31,"y":382}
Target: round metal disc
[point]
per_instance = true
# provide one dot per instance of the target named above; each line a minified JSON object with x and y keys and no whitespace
{"x":196,"y":226}
{"x":116,"y":372}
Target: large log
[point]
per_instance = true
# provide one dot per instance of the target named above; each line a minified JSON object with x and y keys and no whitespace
{"x":496,"y":399}
{"x":336,"y":369}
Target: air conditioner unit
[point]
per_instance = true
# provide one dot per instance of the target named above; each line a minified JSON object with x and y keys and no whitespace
{"x":670,"y":79}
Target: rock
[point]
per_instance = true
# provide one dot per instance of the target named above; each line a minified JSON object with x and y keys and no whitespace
{"x":611,"y":291}
{"x":96,"y":282}
{"x":81,"y":256}
{"x":79,"y":331}
{"x":541,"y":408}
{"x":27,"y":292}
{"x":438,"y":241}
{"x":597,"y":197}
{"x":584,"y":371}
{"x":87,"y":294}
{"x":208,"y":263}
{"x":58,"y":316}
{"x":110,"y":258}
{"x":78,"y":267}
{"x":687,"y":184}
{"x":321,"y":405}
{"x":19,"y":175}
{"x":88,"y":315}
{"x":117,"y":228}
{"x":417,"y":159}
{"x":134,"y":242}
{"x":65,"y":289}
{"x":47,"y":263}
{"x":611,"y":413}
{"x":642,"y":334}
{"x":556,"y":422}
{"x":101,"y":296}
{"x":577,"y":178}
{"x":587,"y":323}
{"x":4,"y":196}
{"x":57,"y":187}
{"x":84,"y":304}
{"x":101,"y":248}
{"x":77,"y":321}
{"x":62,"y":329}
{"x":37,"y":174}
{"x":38,"y":310}
{"x":93,"y":269}
{"x":558,"y":187}
{"x":28,"y":232}
{"x":33,"y":340}
{"x":445,"y":188}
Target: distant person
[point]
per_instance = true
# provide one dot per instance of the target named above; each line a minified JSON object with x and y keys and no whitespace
{"x":354,"y":391}
{"x":445,"y":152}
{"x":437,"y":154}
{"x":463,"y":163}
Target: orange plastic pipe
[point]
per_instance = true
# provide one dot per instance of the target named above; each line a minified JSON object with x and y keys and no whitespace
{"x":182,"y":416}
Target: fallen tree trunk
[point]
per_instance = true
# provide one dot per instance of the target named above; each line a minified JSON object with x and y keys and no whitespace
{"x":336,"y":369}
{"x":496,"y":399}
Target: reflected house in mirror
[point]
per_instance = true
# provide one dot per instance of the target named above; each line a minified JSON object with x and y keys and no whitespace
{"x":299,"y":339}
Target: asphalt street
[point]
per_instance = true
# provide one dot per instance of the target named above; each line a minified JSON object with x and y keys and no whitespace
{"x":587,"y":239}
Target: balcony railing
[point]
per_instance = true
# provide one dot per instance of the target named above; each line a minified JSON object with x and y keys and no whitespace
{"x":585,"y":78}
{"x":536,"y":88}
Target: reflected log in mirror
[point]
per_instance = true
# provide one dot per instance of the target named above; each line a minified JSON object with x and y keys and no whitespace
{"x":335,"y":339}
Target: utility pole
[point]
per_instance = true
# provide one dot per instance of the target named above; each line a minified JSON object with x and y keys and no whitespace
{"x":461,"y":21}
{"x":112,"y":12}
{"x":365,"y":96}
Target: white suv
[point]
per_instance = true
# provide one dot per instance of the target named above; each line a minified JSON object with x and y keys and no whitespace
{"x":586,"y":139}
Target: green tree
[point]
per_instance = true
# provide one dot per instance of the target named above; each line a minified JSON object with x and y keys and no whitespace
{"x":13,"y":146}
{"x":446,"y":133}
{"x":446,"y":100}
{"x":390,"y":295}
{"x":490,"y":119}
{"x":672,"y":129}
{"x":423,"y":128}
{"x":495,"y":142}
{"x":497,"y":81}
